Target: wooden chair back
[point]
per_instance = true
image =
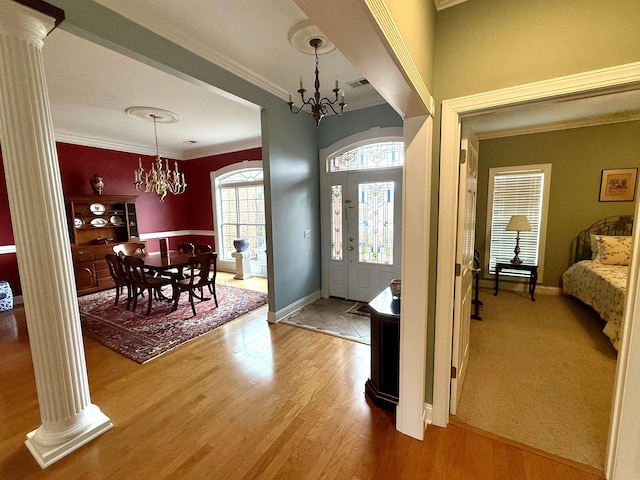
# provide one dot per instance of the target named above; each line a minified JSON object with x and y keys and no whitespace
{"x":187,"y":248}
{"x":203,"y":248}
{"x":129,"y":248}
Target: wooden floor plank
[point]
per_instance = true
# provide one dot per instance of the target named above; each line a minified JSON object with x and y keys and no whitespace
{"x":247,"y":400}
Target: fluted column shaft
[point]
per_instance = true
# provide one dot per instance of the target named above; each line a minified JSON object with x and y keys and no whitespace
{"x":42,"y":244}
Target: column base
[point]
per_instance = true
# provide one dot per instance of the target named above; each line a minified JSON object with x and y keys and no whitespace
{"x":47,"y":455}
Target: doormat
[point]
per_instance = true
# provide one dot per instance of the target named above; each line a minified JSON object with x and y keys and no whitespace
{"x":360,"y":309}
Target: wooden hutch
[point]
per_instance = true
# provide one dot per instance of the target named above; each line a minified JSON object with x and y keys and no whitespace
{"x":96,"y":223}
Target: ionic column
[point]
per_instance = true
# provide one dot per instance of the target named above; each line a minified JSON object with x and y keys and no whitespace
{"x":69,"y":419}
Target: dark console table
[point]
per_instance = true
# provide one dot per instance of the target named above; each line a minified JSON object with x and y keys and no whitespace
{"x":383,"y":385}
{"x":533,"y":275}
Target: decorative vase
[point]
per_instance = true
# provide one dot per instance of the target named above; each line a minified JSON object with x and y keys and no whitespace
{"x":241,"y":244}
{"x":395,"y":287}
{"x":96,"y":183}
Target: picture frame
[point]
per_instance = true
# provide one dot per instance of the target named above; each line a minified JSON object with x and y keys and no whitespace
{"x":618,"y":185}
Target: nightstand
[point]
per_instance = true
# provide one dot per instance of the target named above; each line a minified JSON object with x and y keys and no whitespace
{"x":533,"y":275}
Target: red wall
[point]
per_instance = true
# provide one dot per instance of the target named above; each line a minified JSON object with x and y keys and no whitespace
{"x":189,"y":211}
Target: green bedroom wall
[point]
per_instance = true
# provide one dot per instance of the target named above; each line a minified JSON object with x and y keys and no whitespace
{"x":577,"y":157}
{"x":486,"y":45}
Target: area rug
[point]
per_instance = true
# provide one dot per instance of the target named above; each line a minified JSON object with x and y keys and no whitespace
{"x":360,"y":309}
{"x":143,"y":338}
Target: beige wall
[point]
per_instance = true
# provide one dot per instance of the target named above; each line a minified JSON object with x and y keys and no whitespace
{"x":577,"y":157}
{"x":415,"y":20}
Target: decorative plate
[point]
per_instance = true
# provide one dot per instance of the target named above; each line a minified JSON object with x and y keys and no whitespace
{"x":116,"y":220}
{"x":98,"y":222}
{"x":97,"y":208}
{"x":78,"y":222}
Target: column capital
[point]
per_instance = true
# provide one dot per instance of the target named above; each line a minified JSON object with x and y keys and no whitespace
{"x":30,"y":20}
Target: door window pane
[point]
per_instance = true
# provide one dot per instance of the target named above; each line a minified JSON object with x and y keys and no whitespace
{"x":367,"y":157}
{"x":375,"y":222}
{"x":336,"y":222}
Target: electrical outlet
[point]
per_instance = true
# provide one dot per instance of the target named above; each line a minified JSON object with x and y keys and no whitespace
{"x":307,"y":233}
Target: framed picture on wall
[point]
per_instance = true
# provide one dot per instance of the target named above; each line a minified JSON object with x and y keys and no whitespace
{"x":618,"y":185}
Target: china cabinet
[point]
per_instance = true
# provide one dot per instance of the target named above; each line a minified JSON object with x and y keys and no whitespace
{"x":96,"y":223}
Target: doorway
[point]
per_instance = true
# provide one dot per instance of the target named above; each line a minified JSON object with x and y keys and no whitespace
{"x":587,"y":85}
{"x":361,"y":211}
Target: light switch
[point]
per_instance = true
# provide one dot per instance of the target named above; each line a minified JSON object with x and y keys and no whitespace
{"x":307,"y":233}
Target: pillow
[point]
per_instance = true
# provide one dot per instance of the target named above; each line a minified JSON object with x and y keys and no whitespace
{"x":612,"y":250}
{"x":594,"y":246}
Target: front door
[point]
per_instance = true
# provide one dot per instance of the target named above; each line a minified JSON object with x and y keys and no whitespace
{"x":465,"y":245}
{"x":366,"y":214}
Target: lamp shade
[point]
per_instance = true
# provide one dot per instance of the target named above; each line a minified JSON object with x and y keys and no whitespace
{"x":518,"y":223}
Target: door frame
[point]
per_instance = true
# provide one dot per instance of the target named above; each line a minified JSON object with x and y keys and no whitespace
{"x":373,"y":135}
{"x":625,"y":423}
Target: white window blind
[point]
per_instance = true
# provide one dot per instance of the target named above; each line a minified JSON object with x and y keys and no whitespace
{"x":517,"y":191}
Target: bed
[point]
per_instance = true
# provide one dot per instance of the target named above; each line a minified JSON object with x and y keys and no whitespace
{"x":599,"y":275}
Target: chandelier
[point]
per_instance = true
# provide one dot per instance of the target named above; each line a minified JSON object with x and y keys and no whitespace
{"x":159,"y":179}
{"x":318,"y":107}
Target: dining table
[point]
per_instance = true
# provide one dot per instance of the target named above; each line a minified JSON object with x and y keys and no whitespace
{"x":173,"y":261}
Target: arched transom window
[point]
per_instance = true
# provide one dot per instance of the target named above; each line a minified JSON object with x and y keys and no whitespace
{"x":368,"y":157}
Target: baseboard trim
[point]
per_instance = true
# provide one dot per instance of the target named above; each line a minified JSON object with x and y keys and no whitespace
{"x":275,"y":317}
{"x":427,"y":415}
{"x":521,"y":287}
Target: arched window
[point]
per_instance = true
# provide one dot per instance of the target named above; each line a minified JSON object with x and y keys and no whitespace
{"x":240,"y":210}
{"x":369,"y":157}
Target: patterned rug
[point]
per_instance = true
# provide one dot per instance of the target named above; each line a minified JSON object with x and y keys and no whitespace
{"x":143,"y":338}
{"x":360,"y":309}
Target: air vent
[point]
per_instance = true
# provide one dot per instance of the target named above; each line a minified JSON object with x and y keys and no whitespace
{"x":358,"y":83}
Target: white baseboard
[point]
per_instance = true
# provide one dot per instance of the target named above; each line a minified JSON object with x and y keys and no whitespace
{"x":275,"y":317}
{"x":521,"y":287}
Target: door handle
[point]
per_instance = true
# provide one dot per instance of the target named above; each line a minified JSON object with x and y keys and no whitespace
{"x":350,"y":248}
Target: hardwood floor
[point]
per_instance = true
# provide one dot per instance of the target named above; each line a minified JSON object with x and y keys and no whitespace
{"x":249,"y":400}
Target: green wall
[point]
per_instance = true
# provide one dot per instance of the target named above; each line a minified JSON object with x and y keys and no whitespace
{"x":577,"y":157}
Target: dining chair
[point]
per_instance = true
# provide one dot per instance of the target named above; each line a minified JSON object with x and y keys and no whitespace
{"x":130,"y":248}
{"x":203,"y":248}
{"x":200,"y":263}
{"x":116,"y":269}
{"x":186,"y":248}
{"x":143,"y":281}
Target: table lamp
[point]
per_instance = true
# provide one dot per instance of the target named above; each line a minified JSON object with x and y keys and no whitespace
{"x":518,"y":223}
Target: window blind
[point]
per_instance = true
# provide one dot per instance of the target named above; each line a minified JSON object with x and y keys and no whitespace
{"x":516,"y":193}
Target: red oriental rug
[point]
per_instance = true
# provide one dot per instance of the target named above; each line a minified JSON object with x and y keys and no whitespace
{"x":143,"y":338}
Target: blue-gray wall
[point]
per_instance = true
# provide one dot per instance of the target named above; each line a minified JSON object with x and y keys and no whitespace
{"x":334,"y":128}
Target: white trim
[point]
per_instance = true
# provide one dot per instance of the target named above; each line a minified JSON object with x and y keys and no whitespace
{"x":625,"y":421}
{"x":275,"y":317}
{"x":175,"y":233}
{"x":427,"y":415}
{"x":442,"y":4}
{"x":416,"y":227}
{"x":7,"y":249}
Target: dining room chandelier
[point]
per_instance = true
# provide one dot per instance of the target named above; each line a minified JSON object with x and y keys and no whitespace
{"x":317,"y":107}
{"x":160,"y":179}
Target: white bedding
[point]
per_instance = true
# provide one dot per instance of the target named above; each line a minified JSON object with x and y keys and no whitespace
{"x":603,"y":287}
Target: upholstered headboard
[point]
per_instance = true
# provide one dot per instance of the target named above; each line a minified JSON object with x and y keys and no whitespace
{"x":621,"y":225}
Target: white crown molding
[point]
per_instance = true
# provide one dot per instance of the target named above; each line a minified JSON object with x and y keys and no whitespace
{"x":147,"y":19}
{"x":384,"y":20}
{"x":442,"y":4}
{"x":609,"y":118}
{"x":222,"y":148}
{"x":176,"y":233}
{"x":87,"y":141}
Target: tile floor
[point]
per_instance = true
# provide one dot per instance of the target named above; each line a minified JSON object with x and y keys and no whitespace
{"x":329,"y":315}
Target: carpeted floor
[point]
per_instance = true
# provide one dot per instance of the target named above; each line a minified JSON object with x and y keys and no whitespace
{"x":540,"y":373}
{"x":331,"y":316}
{"x":142,"y":338}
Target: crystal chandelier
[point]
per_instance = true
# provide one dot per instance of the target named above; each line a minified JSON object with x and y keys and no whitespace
{"x":159,"y":179}
{"x":318,"y":107}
